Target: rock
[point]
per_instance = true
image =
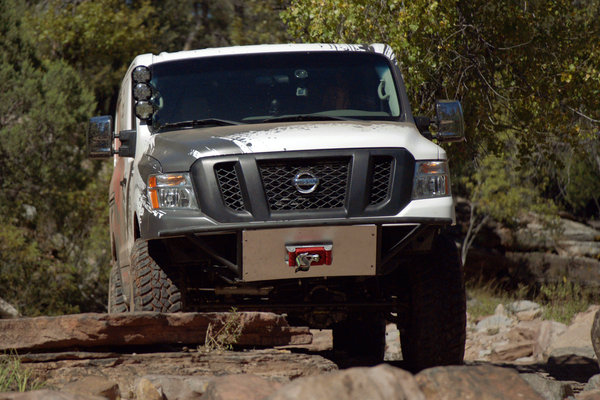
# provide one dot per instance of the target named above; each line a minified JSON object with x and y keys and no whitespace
{"x":234,"y":387}
{"x":479,"y":382}
{"x":591,"y":395}
{"x":512,"y":351}
{"x":548,"y":389}
{"x":578,"y":334}
{"x":547,"y":334}
{"x":593,"y":383}
{"x":144,"y":389}
{"x":522,"y":306}
{"x":47,"y":395}
{"x":125,"y":369}
{"x":528,"y":315}
{"x":572,"y":364}
{"x":382,"y":382}
{"x":494,"y":322}
{"x":7,"y":310}
{"x":141,"y":328}
{"x":94,"y":385}
{"x":177,"y":386}
{"x":544,"y":267}
{"x":579,"y":249}
{"x":393,"y":350}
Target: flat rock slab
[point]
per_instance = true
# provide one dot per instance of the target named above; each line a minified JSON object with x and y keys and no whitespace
{"x":86,"y":331}
{"x":125,"y":369}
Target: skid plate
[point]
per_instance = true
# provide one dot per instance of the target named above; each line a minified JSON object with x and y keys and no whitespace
{"x":266,"y":257}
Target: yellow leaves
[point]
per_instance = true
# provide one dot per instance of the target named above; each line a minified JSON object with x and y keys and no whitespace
{"x":566,"y":77}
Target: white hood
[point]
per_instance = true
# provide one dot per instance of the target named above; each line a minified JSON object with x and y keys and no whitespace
{"x":336,"y":135}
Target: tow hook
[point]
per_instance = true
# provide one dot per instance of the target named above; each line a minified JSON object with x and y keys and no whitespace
{"x":304,"y":260}
{"x":302,"y":257}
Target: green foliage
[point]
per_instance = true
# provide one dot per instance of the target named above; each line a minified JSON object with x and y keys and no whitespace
{"x":14,"y":377}
{"x":98,"y":38}
{"x":48,"y":207}
{"x":528,"y":69}
{"x":504,"y":193}
{"x":564,"y":299}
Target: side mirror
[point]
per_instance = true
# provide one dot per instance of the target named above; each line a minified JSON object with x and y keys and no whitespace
{"x":100,"y":137}
{"x":450,"y":122}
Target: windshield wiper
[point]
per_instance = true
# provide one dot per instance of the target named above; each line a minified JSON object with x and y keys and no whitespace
{"x":306,"y":117}
{"x":198,"y":122}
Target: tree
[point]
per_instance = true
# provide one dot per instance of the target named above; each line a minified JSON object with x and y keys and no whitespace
{"x":526,"y":72}
{"x":46,"y":199}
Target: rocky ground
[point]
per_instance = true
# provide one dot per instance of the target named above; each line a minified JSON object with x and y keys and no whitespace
{"x":511,"y":354}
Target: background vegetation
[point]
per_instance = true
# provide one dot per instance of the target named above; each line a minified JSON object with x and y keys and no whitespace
{"x":526,"y":72}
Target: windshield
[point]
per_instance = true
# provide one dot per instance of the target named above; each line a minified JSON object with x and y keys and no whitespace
{"x":259,"y":88}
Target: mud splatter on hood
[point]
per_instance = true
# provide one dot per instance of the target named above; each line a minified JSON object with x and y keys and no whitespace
{"x":177,"y":150}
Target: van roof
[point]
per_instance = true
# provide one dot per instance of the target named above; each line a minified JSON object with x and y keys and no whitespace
{"x":148,"y":59}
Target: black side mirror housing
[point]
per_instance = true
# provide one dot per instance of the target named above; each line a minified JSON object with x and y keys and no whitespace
{"x":127,"y":147}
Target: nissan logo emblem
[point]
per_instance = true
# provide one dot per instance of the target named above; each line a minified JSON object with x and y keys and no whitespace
{"x":305,"y":182}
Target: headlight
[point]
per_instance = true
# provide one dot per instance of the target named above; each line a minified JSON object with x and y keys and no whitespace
{"x":432,"y":179}
{"x":171,"y":191}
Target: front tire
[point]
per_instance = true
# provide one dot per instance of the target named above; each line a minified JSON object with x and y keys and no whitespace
{"x":435,"y":332}
{"x":116,"y":298}
{"x":153,"y":289}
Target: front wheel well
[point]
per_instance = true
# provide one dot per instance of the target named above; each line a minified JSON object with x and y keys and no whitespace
{"x":136,"y":227}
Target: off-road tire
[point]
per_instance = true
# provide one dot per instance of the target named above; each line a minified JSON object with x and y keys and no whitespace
{"x":153,"y":289}
{"x":116,"y":298}
{"x":361,"y":338}
{"x":435,"y":332}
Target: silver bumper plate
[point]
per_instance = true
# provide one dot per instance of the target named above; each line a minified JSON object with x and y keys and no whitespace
{"x":265,"y":252}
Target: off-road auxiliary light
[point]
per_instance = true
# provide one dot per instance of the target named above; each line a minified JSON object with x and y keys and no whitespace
{"x":171,"y":191}
{"x":431,"y":180}
{"x":142,"y":92}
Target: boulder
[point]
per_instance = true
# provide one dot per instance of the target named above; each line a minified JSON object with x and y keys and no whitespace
{"x":522,"y":306}
{"x":578,"y":334}
{"x":593,"y":383}
{"x":94,"y":385}
{"x":482,"y":382}
{"x":179,"y":387}
{"x":7,"y":310}
{"x":86,"y":331}
{"x":144,"y":389}
{"x":494,"y":322}
{"x":548,"y":389}
{"x":591,"y":395}
{"x":547,"y":333}
{"x":382,"y":382}
{"x":234,"y":387}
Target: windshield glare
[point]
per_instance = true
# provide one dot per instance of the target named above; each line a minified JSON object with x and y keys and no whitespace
{"x":261,"y":87}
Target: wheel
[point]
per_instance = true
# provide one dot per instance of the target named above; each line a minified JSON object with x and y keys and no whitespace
{"x":153,"y":289}
{"x":361,"y":337}
{"x":116,"y":298}
{"x":435,"y":331}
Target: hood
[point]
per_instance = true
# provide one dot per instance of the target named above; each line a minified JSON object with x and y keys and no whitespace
{"x":177,"y":150}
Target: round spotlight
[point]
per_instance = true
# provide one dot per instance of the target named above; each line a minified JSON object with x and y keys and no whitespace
{"x":142,"y":91}
{"x":141,"y":74}
{"x":143,"y":110}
